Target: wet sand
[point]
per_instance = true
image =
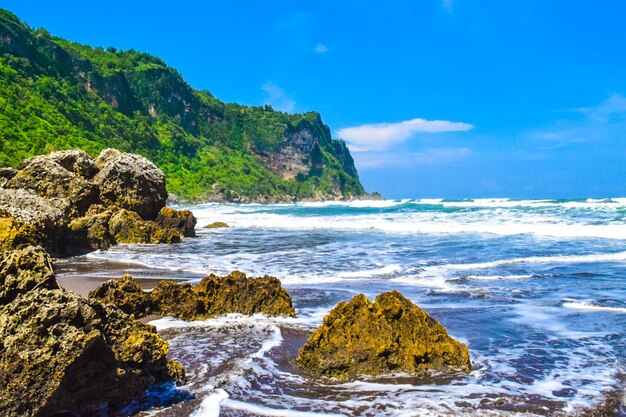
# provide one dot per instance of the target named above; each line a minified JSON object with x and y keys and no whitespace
{"x":81,"y":275}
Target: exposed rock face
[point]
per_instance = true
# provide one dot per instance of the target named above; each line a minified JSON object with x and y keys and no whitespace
{"x":63,"y":353}
{"x":389,"y":335}
{"x":128,"y":227}
{"x":131,"y":182}
{"x":70,"y":203}
{"x":215,"y":225}
{"x":177,"y":219}
{"x":298,"y":153}
{"x":212,"y":297}
{"x":124,"y":293}
{"x":23,"y":270}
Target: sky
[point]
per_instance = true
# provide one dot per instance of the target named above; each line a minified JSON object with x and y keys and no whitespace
{"x":435,"y":98}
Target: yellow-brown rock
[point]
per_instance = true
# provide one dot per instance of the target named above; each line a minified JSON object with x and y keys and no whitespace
{"x":14,"y":233}
{"x":216,"y":225}
{"x":128,"y":227}
{"x":24,"y":269}
{"x":182,"y":220}
{"x":390,"y":335}
{"x":125,"y":294}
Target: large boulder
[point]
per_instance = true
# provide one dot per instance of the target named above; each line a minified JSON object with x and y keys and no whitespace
{"x":14,"y":233}
{"x":128,"y":227}
{"x":177,"y":300}
{"x":23,"y":270}
{"x":61,"y":354}
{"x":125,"y":294}
{"x":76,"y":161}
{"x":183,"y":220}
{"x":29,"y":208}
{"x":131,"y":182}
{"x":387,"y":336}
{"x":91,"y":231}
{"x":48,"y":179}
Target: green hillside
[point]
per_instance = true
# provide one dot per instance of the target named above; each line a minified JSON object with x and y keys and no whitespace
{"x":56,"y":94}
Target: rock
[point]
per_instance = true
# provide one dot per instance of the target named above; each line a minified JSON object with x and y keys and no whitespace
{"x":64,"y":355}
{"x":24,"y":269}
{"x":6,"y":174}
{"x":91,"y":232}
{"x":387,"y":336}
{"x":48,"y":179}
{"x":216,"y":225}
{"x":177,"y":219}
{"x":125,"y":294}
{"x":128,"y":227}
{"x":14,"y":233}
{"x":76,"y":161}
{"x":177,"y":300}
{"x":131,"y":182}
{"x":218,"y":296}
{"x":31,"y":209}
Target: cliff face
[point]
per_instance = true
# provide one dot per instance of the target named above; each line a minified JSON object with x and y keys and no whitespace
{"x":58,"y":95}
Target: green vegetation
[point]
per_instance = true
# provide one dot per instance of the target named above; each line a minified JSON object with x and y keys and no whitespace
{"x":56,"y":94}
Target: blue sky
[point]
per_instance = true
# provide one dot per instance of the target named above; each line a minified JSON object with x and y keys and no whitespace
{"x":436,"y":98}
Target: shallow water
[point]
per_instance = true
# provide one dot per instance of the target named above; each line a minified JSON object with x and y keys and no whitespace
{"x":537,"y":289}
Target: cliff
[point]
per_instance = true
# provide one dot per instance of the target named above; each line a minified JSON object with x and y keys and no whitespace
{"x":56,"y":94}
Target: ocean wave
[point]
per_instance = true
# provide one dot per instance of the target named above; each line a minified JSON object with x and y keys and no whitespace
{"x":588,"y":306}
{"x":371,"y":273}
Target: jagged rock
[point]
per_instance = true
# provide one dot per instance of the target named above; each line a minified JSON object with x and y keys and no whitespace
{"x":24,"y":269}
{"x":387,"y":336}
{"x":91,"y":232}
{"x":128,"y":227}
{"x":125,"y":294}
{"x":236,"y":293}
{"x":46,"y":178}
{"x":6,"y":174}
{"x":76,"y":161}
{"x":131,"y":182}
{"x":177,"y":300}
{"x":177,"y":219}
{"x":216,"y":225}
{"x":217,"y":296}
{"x":14,"y":233}
{"x":61,"y":353}
{"x":34,"y":210}
{"x":212,"y":297}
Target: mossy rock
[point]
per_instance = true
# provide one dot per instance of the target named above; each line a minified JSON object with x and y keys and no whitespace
{"x":216,"y":225}
{"x":177,"y":300}
{"x":14,"y":233}
{"x":125,"y":294}
{"x":91,"y":231}
{"x":23,"y":270}
{"x":390,"y":335}
{"x":62,"y":353}
{"x":182,"y":220}
{"x":128,"y":227}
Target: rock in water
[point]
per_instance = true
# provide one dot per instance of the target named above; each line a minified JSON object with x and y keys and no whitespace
{"x":212,"y":297}
{"x":387,"y":336}
{"x":131,"y":182}
{"x":216,"y":225}
{"x":182,"y":220}
{"x":125,"y":294}
{"x":62,"y":353}
{"x":23,"y":270}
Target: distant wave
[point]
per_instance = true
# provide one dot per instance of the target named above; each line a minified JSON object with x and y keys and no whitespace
{"x":587,"y":306}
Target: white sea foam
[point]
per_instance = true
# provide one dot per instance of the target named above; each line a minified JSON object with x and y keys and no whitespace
{"x":370,"y":273}
{"x":211,"y":404}
{"x":267,"y":411}
{"x":588,"y":306}
{"x":497,"y":277}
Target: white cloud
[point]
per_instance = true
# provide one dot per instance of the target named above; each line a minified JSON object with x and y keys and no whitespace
{"x":278,"y":98}
{"x":320,"y":48}
{"x":606,"y":121}
{"x":432,"y":156}
{"x":381,"y":136}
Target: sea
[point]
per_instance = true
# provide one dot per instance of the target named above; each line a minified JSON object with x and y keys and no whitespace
{"x":535,"y":288}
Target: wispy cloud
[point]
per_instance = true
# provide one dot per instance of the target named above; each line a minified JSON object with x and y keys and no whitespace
{"x":432,"y":156}
{"x":448,"y":5}
{"x":605,"y":121}
{"x":382,"y":136}
{"x":278,"y":98}
{"x":320,"y":48}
